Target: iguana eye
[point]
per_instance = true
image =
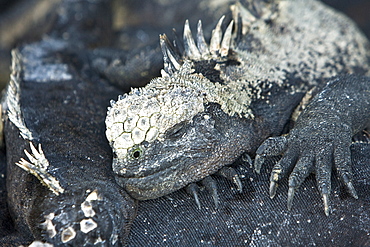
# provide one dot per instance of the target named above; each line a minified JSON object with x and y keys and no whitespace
{"x":136,"y":152}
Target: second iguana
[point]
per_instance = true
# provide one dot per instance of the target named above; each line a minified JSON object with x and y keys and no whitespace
{"x":219,"y":100}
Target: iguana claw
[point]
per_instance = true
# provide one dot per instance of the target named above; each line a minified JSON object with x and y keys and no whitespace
{"x":193,"y":190}
{"x":211,"y":186}
{"x":230,"y":174}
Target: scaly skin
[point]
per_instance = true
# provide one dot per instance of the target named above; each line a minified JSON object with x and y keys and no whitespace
{"x":214,"y":103}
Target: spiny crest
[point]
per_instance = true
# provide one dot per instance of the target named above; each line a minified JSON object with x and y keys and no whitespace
{"x":145,"y":114}
{"x":245,"y":16}
{"x":218,"y":48}
{"x":221,"y":42}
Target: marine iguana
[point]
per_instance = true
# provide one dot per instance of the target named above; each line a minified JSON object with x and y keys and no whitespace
{"x":218,"y":101}
{"x":72,"y":212}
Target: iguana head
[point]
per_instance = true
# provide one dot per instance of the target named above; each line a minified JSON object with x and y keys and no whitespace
{"x":178,"y":128}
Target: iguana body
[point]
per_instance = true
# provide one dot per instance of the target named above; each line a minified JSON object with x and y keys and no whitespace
{"x":236,"y":93}
{"x":218,"y":101}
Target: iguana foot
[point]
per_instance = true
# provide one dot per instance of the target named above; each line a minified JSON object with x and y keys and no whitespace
{"x":230,"y":174}
{"x":306,"y":151}
{"x":87,"y":218}
{"x":321,"y":138}
{"x":210,"y":184}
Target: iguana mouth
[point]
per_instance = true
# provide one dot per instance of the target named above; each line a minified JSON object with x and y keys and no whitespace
{"x":161,"y":182}
{"x":169,"y":176}
{"x":138,"y":170}
{"x":152,"y":186}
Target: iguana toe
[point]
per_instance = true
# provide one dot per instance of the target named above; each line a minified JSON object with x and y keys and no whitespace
{"x":210,"y":184}
{"x":193,"y":190}
{"x":230,"y":174}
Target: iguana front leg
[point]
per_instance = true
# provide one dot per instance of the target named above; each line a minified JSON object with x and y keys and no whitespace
{"x":321,"y":138}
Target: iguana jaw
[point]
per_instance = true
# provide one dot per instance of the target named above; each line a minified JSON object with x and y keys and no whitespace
{"x":212,"y":140}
